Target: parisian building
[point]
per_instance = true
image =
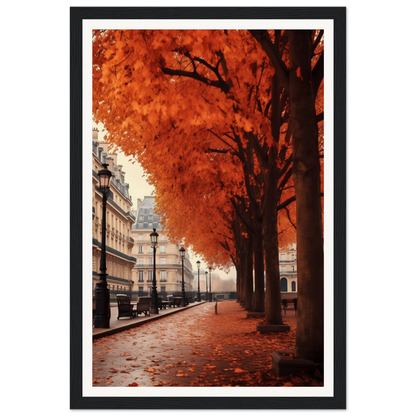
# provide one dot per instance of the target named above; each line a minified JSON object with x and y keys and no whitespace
{"x":168,"y":260}
{"x":119,"y":221}
{"x":288,"y":270}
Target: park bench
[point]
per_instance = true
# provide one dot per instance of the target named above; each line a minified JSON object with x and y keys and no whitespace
{"x":143,"y":305}
{"x":125,"y":308}
{"x":162,"y":304}
{"x":293,"y":303}
{"x":176,"y":302}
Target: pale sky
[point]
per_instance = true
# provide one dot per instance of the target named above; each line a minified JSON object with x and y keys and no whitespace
{"x":139,"y":188}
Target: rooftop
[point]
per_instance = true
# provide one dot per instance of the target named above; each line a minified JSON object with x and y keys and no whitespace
{"x":146,"y":217}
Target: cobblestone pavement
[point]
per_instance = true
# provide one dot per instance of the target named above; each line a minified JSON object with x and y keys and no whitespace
{"x":196,"y":347}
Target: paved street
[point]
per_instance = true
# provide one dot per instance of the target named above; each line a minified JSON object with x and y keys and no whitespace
{"x":194,"y":347}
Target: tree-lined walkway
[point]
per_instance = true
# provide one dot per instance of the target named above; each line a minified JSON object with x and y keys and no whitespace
{"x":195,"y":348}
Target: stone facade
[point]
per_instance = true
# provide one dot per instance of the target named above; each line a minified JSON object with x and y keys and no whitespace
{"x":168,"y":260}
{"x":119,"y":221}
{"x":288,"y":270}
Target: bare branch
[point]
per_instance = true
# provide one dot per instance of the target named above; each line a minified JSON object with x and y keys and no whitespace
{"x":263,"y":38}
{"x":219,"y":138}
{"x":221,"y":84}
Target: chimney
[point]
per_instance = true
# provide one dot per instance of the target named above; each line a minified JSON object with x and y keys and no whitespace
{"x":95,"y":135}
{"x":114,"y":157}
{"x":110,"y":162}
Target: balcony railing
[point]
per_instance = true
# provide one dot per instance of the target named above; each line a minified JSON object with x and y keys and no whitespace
{"x":161,"y":266}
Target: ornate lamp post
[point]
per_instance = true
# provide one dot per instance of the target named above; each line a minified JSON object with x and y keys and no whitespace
{"x":153,"y":305}
{"x":182,"y":253}
{"x":206,"y":286}
{"x":198,"y":298}
{"x":102,"y":294}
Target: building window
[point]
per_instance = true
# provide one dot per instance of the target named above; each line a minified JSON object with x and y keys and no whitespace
{"x":150,"y":249}
{"x":140,"y":275}
{"x":293,"y":268}
{"x":293,"y":257}
{"x":140,"y":249}
{"x":150,"y":260}
{"x":140,"y":289}
{"x":282,"y":268}
{"x":140,"y":217}
{"x":141,"y":237}
{"x":163,"y":261}
{"x":163,"y":276}
{"x":162,"y":249}
{"x":283,"y":285}
{"x":150,"y":225}
{"x":293,"y":286}
{"x":283,"y":257}
{"x":140,"y":225}
{"x":150,"y":275}
{"x":163,"y":288}
{"x":163,"y":238}
{"x":140,"y":262}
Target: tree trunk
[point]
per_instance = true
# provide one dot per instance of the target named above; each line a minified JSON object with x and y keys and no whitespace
{"x":237,"y":266}
{"x":270,"y":232}
{"x":306,"y":175}
{"x":258,"y":267}
{"x":271,"y":250}
{"x":247,"y":266}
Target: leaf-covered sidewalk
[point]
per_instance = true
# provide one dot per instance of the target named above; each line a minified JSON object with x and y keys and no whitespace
{"x":196,"y":347}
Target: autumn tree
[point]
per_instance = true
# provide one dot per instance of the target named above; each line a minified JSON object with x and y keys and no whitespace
{"x":222,"y":94}
{"x":302,"y":79}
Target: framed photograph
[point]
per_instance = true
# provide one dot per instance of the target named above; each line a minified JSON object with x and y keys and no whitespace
{"x":264,"y":27}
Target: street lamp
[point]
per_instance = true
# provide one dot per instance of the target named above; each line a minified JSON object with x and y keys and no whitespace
{"x":206,"y":286}
{"x":102,"y":294}
{"x":153,"y":305}
{"x":210,"y":285}
{"x":198,"y":264}
{"x":182,"y":253}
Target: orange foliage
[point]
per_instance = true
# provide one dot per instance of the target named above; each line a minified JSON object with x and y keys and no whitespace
{"x":194,"y":108}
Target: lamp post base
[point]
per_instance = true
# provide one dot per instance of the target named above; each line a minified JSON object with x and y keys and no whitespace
{"x":183,"y":300}
{"x":102,"y":317}
{"x":153,"y":305}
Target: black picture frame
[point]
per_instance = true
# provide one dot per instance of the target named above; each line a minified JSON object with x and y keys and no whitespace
{"x":77,"y":15}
